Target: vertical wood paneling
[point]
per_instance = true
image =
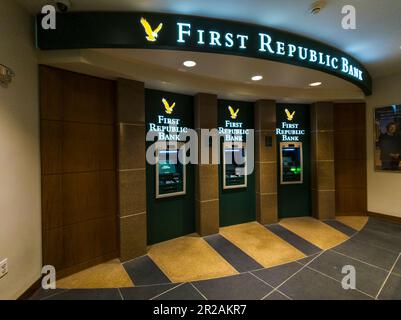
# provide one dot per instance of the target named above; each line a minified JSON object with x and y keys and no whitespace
{"x":350,"y":158}
{"x":79,"y":200}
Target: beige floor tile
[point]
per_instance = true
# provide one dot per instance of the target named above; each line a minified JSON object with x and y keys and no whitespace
{"x":261,"y":244}
{"x":314,"y":231}
{"x":188,"y":259}
{"x":355,"y":222}
{"x":110,"y":274}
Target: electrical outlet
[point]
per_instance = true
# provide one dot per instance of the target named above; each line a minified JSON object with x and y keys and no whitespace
{"x":3,"y":268}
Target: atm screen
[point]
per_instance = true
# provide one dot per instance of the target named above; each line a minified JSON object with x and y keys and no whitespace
{"x":291,"y":163}
{"x":234,"y":167}
{"x":170,"y":174}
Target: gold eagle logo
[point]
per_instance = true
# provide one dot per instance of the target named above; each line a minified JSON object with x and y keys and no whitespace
{"x":290,"y":116}
{"x":233,"y":114}
{"x":151,"y":34}
{"x":167,"y":107}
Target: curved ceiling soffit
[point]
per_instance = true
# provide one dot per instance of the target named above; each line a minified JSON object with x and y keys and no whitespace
{"x":84,"y":30}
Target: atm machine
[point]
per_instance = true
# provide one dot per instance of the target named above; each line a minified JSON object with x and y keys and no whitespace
{"x":234,"y":165}
{"x":170,"y":172}
{"x":291,"y":163}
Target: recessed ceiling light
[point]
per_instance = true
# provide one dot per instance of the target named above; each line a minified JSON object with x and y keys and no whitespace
{"x":257,"y":78}
{"x":315,"y":84}
{"x":189,"y":63}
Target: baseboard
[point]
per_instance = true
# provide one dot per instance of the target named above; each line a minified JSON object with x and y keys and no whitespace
{"x":385,"y":217}
{"x":352,"y":214}
{"x":31,"y":290}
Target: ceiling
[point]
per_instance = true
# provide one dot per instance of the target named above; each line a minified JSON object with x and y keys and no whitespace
{"x":376,"y":41}
{"x":226,"y":76}
{"x":228,"y":68}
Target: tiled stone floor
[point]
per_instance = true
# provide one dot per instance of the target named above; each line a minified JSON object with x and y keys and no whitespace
{"x":374,"y":252}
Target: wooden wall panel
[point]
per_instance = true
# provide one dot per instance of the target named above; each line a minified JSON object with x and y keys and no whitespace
{"x":87,"y":147}
{"x":51,"y":91}
{"x":79,"y":193}
{"x":75,"y":244}
{"x":64,"y":205}
{"x":350,"y":158}
{"x":89,"y":100}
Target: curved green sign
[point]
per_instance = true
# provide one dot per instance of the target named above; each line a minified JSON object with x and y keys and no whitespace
{"x":79,"y":30}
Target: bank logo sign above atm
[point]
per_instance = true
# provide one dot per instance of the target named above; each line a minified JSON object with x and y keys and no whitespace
{"x":151,"y":35}
{"x":290,"y":115}
{"x":167,"y":108}
{"x":233,"y":114}
{"x":87,"y":30}
{"x":167,"y":129}
{"x":233,"y":131}
{"x":290,"y":131}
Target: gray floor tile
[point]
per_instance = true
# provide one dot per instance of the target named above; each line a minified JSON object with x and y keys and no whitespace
{"x":183,"y":292}
{"x":276,"y":296}
{"x":310,"y":285}
{"x":368,"y":279}
{"x":340,"y":227}
{"x":143,"y":271}
{"x":392,"y":289}
{"x":239,"y":287}
{"x":87,"y":294}
{"x":307,"y":259}
{"x":384,"y":226}
{"x":296,"y":241}
{"x":368,"y":253}
{"x":379,"y":239}
{"x":397,"y":267}
{"x":277,"y":275}
{"x":146,"y":292}
{"x":43,"y":294}
{"x":234,"y":256}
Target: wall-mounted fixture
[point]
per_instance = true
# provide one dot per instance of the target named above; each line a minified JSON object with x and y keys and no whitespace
{"x":317,"y":6}
{"x":6,"y":75}
{"x":63,"y":6}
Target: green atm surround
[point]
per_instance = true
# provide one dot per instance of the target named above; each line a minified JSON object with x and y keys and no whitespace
{"x":170,"y":173}
{"x":234,"y":169}
{"x":291,"y":163}
{"x":294,"y":200}
{"x":237,"y":205}
{"x":169,"y":217}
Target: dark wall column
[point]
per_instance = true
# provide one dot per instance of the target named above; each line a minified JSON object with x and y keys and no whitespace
{"x":350,"y":158}
{"x":206,"y":183}
{"x":323,"y":181}
{"x":266,"y":162}
{"x":131,"y":168}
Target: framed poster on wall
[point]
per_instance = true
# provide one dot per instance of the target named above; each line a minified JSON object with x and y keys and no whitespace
{"x":387,"y":135}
